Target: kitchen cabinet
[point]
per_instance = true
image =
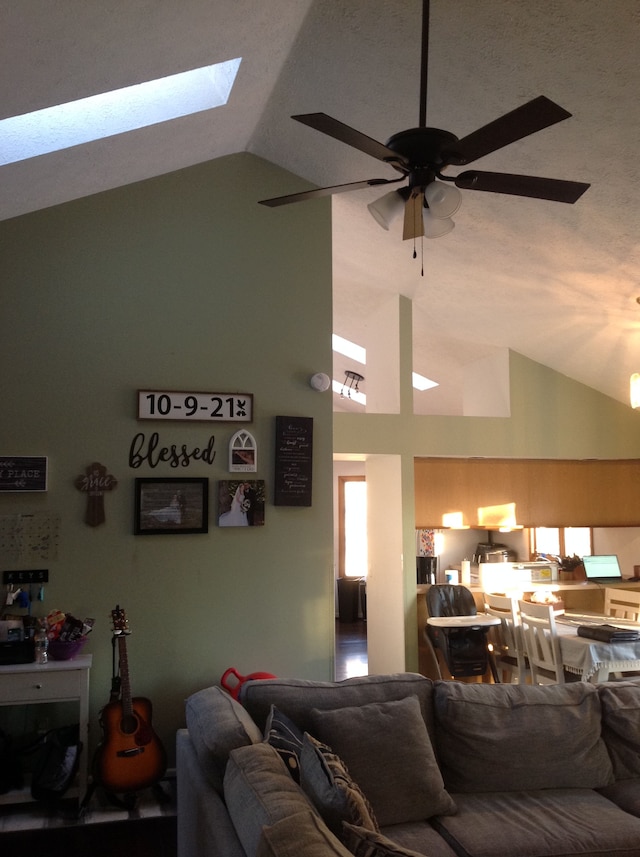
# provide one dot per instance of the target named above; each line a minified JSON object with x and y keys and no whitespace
{"x":541,"y":492}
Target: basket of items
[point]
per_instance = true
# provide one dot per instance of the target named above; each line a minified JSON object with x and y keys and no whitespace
{"x":66,"y":635}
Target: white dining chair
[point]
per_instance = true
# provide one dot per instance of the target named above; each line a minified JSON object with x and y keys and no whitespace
{"x":541,"y":642}
{"x":506,"y":638}
{"x":622,"y":603}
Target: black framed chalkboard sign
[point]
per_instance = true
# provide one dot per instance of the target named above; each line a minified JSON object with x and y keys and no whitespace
{"x":293,"y":461}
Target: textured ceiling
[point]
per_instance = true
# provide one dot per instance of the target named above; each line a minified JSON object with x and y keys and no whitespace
{"x":555,"y":282}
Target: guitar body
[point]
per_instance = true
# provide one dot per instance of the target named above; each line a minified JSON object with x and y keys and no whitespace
{"x":131,"y":756}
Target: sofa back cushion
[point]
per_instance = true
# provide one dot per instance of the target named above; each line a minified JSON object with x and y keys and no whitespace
{"x":296,"y":697}
{"x":511,"y":737}
{"x":217,"y":724}
{"x":387,"y":750}
{"x":621,"y":726}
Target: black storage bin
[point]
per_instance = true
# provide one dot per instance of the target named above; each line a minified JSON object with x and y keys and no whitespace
{"x":348,"y":598}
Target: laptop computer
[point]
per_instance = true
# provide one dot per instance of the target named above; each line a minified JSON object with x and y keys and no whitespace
{"x":602,"y":569}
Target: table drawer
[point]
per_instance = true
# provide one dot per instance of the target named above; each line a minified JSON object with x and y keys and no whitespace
{"x":39,"y":686}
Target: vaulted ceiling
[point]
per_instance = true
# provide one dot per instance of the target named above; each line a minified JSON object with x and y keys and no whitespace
{"x":555,"y":282}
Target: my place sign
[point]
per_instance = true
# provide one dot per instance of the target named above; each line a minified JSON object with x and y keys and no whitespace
{"x":23,"y":473}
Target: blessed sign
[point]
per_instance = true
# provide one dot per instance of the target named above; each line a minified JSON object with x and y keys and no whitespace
{"x":23,"y":473}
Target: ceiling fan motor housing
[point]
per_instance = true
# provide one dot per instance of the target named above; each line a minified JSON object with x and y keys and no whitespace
{"x":422,"y":150}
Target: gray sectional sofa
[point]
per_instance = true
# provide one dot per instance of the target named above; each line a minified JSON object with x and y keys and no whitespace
{"x":401,"y":765}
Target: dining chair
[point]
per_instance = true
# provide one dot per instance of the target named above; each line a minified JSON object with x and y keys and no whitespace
{"x":541,"y":642}
{"x":506,"y":638}
{"x":622,"y":603}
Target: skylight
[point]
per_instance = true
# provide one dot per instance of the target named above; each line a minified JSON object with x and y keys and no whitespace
{"x":359,"y":354}
{"x":109,"y":113}
{"x":349,"y":349}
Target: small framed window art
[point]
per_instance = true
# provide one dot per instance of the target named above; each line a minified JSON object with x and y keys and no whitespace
{"x":243,"y":453}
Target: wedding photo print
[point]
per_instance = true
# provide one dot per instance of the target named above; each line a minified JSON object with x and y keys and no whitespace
{"x":241,"y":503}
{"x":165,"y":506}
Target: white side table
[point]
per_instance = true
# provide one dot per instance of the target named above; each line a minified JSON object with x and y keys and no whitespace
{"x":55,"y":681}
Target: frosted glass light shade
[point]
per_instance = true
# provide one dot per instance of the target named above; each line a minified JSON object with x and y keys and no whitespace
{"x":436,"y":227}
{"x":635,"y":390}
{"x":386,"y":209}
{"x":443,"y":199}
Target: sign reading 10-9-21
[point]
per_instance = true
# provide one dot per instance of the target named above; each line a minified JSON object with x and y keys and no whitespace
{"x":205,"y":407}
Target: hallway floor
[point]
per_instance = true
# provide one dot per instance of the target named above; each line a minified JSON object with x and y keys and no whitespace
{"x":351,"y":649}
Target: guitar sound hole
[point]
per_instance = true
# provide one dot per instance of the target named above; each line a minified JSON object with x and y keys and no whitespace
{"x":129,"y":724}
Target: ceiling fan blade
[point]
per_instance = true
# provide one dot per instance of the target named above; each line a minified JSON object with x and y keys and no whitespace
{"x":413,"y":223}
{"x":533,"y":116}
{"x":556,"y":190}
{"x":346,"y":134}
{"x":325,"y":191}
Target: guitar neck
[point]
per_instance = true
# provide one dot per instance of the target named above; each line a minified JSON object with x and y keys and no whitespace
{"x":125,"y":683}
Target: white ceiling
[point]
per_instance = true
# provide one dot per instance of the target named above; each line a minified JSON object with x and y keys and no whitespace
{"x":555,"y":282}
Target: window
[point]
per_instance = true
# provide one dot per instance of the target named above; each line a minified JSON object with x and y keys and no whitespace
{"x":352,"y":526}
{"x":561,"y":541}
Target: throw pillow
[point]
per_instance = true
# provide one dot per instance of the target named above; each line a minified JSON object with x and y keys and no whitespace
{"x":326,"y":780}
{"x":388,"y":751}
{"x":217,"y":724}
{"x":283,"y":734}
{"x":620,"y":719}
{"x":550,"y":734}
{"x":300,"y":835}
{"x":368,"y":843}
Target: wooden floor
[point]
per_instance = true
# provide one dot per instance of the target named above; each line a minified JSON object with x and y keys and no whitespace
{"x":147,"y":829}
{"x":351,"y":649}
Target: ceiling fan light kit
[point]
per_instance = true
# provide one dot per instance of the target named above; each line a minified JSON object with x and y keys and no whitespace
{"x":443,"y":199}
{"x":422,"y":154}
{"x":436,"y":227}
{"x":387,"y":209}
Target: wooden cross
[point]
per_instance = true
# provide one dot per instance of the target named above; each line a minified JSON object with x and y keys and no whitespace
{"x":94,"y":483}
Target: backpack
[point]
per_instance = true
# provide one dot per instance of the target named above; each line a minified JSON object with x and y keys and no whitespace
{"x":10,"y":768}
{"x":56,"y":764}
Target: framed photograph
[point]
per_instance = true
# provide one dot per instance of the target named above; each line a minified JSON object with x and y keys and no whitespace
{"x":171,"y":506}
{"x":241,"y":503}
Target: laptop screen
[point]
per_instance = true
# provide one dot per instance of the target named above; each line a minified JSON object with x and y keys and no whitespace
{"x":602,"y":567}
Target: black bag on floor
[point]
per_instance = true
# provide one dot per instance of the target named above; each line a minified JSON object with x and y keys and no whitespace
{"x":10,"y":768}
{"x":56,"y":764}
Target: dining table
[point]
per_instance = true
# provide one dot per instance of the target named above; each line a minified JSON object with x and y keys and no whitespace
{"x":593,"y":660}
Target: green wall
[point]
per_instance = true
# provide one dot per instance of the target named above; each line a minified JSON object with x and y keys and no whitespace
{"x":181,"y":282}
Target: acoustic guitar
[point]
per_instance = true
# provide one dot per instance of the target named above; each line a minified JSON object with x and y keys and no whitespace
{"x":131,"y":756}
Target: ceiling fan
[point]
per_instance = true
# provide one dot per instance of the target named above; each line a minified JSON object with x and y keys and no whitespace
{"x":422,"y":154}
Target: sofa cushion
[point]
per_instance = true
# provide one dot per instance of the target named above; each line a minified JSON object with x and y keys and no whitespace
{"x":283,"y":734}
{"x":326,"y":780}
{"x":625,"y":794}
{"x":550,"y":822}
{"x":388,"y":752}
{"x":217,"y":724}
{"x":620,"y":726}
{"x":547,"y":737}
{"x":369,"y":843}
{"x":296,"y":697}
{"x":259,"y":791}
{"x":300,"y":835}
